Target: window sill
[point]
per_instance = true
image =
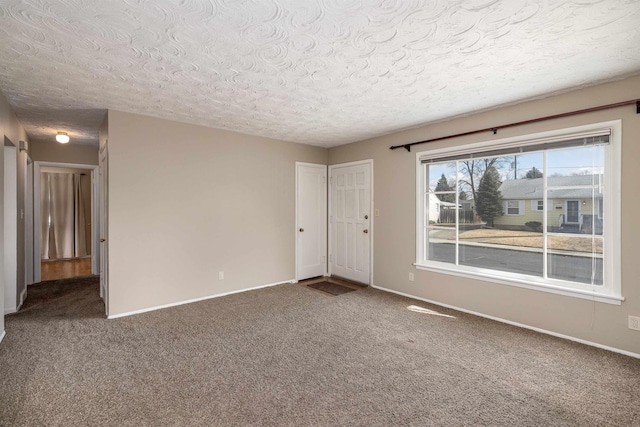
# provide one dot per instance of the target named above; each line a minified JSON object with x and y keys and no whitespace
{"x":523,"y":283}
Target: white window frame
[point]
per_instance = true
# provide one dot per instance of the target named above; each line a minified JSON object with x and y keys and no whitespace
{"x":520,"y":208}
{"x":611,"y":291}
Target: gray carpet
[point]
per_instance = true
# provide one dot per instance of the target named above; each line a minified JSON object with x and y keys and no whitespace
{"x":286,"y":356}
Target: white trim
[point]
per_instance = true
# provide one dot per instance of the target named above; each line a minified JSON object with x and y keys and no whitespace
{"x":37,"y":232}
{"x":326,"y":215}
{"x":493,"y":277}
{"x":95,"y":219}
{"x":421,"y":227}
{"x":2,"y":335}
{"x":509,"y":322}
{"x":189,"y":301}
{"x":371,"y":213}
{"x":28,"y":224}
{"x":371,"y":216}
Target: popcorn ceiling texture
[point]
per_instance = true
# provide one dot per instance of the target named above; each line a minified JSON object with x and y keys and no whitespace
{"x":321,"y":72}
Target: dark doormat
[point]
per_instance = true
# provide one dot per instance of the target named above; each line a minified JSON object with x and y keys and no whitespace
{"x":331,"y":288}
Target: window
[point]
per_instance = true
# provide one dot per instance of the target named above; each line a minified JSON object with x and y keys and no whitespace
{"x":571,"y":247}
{"x":514,"y":207}
{"x":537,"y":205}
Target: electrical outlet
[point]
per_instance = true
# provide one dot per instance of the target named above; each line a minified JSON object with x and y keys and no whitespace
{"x":220,"y":275}
{"x":634,"y":323}
{"x":411,"y":277}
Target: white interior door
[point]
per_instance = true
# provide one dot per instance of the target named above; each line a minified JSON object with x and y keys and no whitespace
{"x":311,"y":220}
{"x":104,"y":227}
{"x":350,"y":222}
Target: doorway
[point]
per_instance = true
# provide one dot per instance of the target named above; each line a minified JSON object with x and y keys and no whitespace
{"x":350,"y":221}
{"x":573,"y":211}
{"x":65,"y":221}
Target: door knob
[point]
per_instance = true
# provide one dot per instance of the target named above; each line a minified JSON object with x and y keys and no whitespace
{"x":103,"y":240}
{"x":365,"y":231}
{"x":302,"y":230}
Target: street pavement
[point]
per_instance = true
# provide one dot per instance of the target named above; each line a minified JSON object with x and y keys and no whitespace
{"x":560,"y":266}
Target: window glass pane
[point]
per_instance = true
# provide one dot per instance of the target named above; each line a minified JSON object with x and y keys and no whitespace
{"x":441,"y":244}
{"x":572,"y":162}
{"x":524,"y":166}
{"x":577,"y":259}
{"x":487,"y":205}
{"x":575,"y":210}
{"x":515,"y":251}
{"x":435,"y":174}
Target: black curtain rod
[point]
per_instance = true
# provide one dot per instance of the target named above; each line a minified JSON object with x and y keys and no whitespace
{"x":525,"y":122}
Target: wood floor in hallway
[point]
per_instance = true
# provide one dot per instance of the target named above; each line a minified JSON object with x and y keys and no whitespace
{"x":64,"y":269}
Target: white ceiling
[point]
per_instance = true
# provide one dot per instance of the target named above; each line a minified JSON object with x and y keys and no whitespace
{"x":321,"y":72}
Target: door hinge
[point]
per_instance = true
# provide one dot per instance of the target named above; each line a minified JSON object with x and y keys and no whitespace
{"x":330,"y":257}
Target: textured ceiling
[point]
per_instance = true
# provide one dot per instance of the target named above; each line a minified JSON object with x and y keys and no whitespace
{"x":321,"y":72}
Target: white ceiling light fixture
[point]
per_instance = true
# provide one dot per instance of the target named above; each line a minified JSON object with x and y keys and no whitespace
{"x":62,"y":137}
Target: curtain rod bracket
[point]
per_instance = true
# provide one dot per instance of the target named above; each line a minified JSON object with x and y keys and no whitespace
{"x":638,"y":107}
{"x":408,"y":147}
{"x":494,"y":130}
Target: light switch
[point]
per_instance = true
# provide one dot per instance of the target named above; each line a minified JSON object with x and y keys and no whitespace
{"x":376,"y":212}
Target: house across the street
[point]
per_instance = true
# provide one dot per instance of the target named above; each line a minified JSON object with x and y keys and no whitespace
{"x":574,"y":203}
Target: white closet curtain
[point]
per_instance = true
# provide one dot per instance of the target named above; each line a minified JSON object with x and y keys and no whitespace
{"x":63,"y":216}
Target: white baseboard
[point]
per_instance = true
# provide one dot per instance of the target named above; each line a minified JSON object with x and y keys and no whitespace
{"x":2,"y":335}
{"x":9,"y":310}
{"x":520,"y":325}
{"x":173,"y":304}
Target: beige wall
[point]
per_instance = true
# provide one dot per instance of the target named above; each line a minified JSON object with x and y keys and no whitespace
{"x":63,"y":153}
{"x":186,"y":202}
{"x":395,"y":234}
{"x":11,"y":129}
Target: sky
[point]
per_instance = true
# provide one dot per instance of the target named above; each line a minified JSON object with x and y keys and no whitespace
{"x":560,"y":162}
